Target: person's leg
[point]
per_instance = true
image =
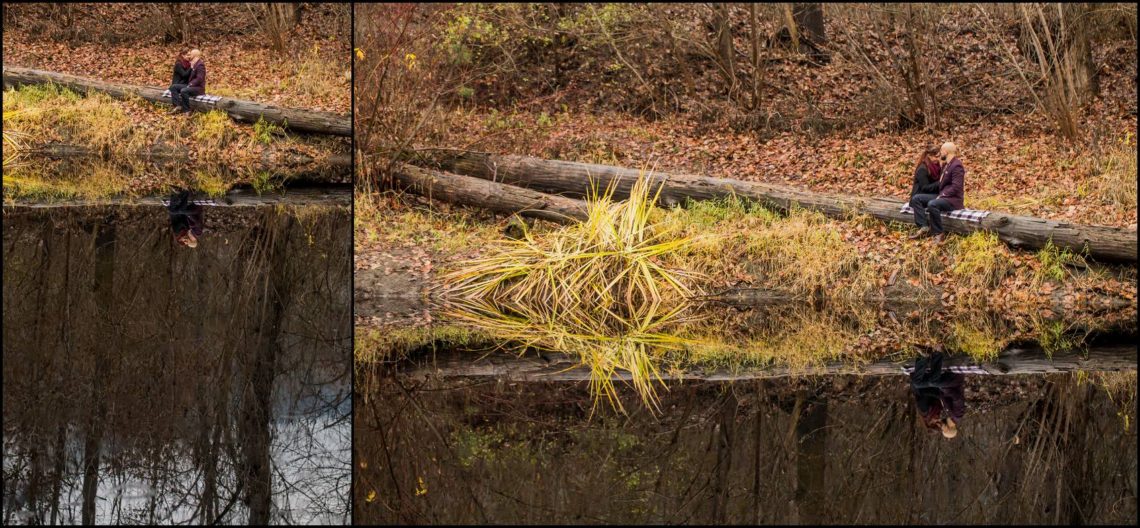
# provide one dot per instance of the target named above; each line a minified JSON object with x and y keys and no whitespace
{"x":935,"y":208}
{"x":184,"y":105}
{"x":175,"y":90}
{"x":188,"y":93}
{"x":918,"y":204}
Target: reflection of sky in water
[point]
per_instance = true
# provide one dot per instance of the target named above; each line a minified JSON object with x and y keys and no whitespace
{"x":167,"y":347}
{"x":311,"y":458}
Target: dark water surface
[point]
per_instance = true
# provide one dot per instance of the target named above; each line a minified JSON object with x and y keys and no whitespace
{"x":456,"y":423}
{"x":828,"y":449}
{"x":146,"y":382}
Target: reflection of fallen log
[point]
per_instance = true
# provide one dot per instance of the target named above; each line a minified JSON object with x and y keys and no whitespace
{"x":564,"y":367}
{"x":575,"y":179}
{"x":340,"y":195}
{"x":466,"y":190}
{"x":299,"y":119}
{"x":270,"y":157}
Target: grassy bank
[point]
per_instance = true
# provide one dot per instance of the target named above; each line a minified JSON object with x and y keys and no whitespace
{"x":206,"y":150}
{"x":615,"y":289}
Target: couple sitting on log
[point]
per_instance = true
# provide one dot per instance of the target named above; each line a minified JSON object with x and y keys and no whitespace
{"x":189,"y":80}
{"x":938,"y":187}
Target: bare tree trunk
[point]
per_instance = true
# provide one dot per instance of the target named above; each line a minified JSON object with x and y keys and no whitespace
{"x":811,"y":459}
{"x":757,"y":67}
{"x":104,"y":293}
{"x":723,"y":435}
{"x":256,"y":402}
{"x":280,"y":19}
{"x":726,"y":54}
{"x":920,"y":91}
{"x":57,"y":471}
{"x":809,"y":22}
{"x":176,"y":22}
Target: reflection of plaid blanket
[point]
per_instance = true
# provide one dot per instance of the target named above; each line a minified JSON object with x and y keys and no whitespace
{"x":969,"y":215}
{"x":961,"y":369}
{"x":207,"y":99}
{"x":207,"y":201}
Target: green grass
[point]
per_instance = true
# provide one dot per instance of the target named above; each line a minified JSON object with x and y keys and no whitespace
{"x":266,"y":132}
{"x":1055,"y":262}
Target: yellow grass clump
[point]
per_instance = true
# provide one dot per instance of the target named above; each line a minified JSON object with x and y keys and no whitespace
{"x":596,"y":288}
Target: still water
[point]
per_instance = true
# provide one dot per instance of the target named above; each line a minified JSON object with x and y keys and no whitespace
{"x":149,"y":382}
{"x":457,"y":424}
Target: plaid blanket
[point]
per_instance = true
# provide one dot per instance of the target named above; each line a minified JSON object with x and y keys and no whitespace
{"x":207,"y":99}
{"x":968,"y":215}
{"x":207,"y":201}
{"x":961,"y":369}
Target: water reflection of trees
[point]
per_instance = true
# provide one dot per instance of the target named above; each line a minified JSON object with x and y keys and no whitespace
{"x":828,"y":449}
{"x":145,"y":382}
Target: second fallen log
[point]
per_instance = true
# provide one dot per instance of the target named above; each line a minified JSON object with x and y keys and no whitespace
{"x":467,"y":190}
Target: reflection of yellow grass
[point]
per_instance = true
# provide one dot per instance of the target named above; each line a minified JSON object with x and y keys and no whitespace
{"x":799,"y":340}
{"x":374,"y":345}
{"x":597,"y":288}
{"x":211,"y":183}
{"x":978,"y":337}
{"x":26,"y":183}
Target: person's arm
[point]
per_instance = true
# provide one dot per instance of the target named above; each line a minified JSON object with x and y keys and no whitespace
{"x":930,"y":188}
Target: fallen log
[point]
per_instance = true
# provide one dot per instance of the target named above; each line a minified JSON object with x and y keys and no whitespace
{"x":466,"y":190}
{"x":297,"y":119}
{"x":577,"y":179}
{"x":547,"y":366}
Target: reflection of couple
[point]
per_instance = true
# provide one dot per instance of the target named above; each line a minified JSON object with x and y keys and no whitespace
{"x":938,"y":391}
{"x":189,"y":80}
{"x":187,"y":219}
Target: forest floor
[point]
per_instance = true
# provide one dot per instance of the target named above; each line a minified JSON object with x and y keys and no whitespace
{"x":817,"y":130}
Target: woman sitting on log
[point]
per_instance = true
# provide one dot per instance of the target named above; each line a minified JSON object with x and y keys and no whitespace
{"x":181,"y":68}
{"x":927,"y":173}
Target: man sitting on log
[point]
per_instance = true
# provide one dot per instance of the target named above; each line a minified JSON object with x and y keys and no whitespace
{"x":180,"y":94}
{"x":928,"y":208}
